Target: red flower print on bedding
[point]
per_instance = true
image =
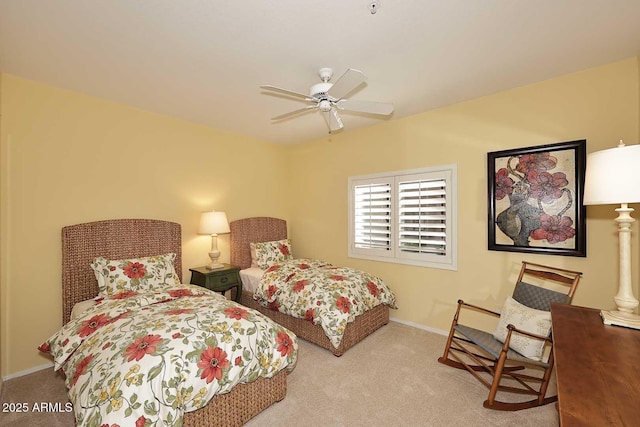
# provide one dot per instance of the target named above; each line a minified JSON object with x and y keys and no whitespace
{"x":284,"y":249}
{"x":81,"y":368}
{"x":343,"y":304}
{"x":285,"y":345}
{"x":310,"y":315}
{"x":123,"y":295}
{"x":212,"y":362}
{"x":337,"y":277}
{"x":274,"y":306}
{"x":373,"y":289}
{"x":90,"y":326}
{"x":300,"y":284}
{"x":141,"y":347}
{"x":236,"y":313}
{"x":271,"y":291}
{"x":134,"y":270}
{"x":180,"y":293}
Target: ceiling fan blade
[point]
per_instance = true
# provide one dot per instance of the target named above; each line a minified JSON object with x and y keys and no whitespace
{"x":334,"y":122}
{"x":288,"y":92}
{"x":294,"y":113}
{"x":381,"y":108}
{"x":347,"y":82}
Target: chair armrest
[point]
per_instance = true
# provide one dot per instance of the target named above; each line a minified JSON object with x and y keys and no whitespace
{"x":475,"y":307}
{"x":520,"y":331}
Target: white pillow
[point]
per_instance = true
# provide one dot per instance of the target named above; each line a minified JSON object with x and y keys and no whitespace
{"x":526,"y":319}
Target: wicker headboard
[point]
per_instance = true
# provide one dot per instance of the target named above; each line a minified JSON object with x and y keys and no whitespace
{"x":112,"y":239}
{"x":256,"y":229}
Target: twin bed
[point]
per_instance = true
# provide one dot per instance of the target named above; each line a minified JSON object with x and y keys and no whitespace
{"x":243,"y":355}
{"x":265,"y":229}
{"x":136,"y":238}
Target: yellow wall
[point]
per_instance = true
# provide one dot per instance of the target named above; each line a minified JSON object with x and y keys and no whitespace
{"x":600,"y":105}
{"x":70,"y":158}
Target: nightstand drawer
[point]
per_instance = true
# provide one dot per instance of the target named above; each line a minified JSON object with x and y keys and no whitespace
{"x":219,"y":280}
{"x":222,"y":281}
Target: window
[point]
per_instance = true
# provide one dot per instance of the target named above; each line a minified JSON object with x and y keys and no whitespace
{"x":406,"y":217}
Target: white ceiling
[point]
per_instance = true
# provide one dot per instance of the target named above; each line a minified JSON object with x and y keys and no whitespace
{"x":204,"y":60}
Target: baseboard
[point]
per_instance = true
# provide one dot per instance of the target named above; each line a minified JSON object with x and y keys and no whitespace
{"x":419,"y":326}
{"x":27,"y":371}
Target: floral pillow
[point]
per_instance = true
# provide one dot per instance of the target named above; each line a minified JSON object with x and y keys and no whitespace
{"x":270,"y":253}
{"x":526,"y":319}
{"x":136,"y":274}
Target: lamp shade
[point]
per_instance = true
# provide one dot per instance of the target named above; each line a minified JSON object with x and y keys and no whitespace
{"x":213,"y":223}
{"x":613,"y":176}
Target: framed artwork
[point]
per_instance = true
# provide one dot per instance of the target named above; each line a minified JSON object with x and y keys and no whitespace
{"x":535,"y":199}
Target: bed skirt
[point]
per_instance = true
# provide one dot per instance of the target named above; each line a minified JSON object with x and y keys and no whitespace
{"x":242,"y":403}
{"x":356,"y":331}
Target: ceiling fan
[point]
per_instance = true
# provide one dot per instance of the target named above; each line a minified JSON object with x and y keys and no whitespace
{"x":330,"y":97}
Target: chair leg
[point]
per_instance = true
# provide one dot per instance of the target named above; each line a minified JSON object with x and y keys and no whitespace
{"x":454,"y":322}
{"x":540,"y":400}
{"x":445,"y":355}
{"x":546,"y":379}
{"x":497,"y":375}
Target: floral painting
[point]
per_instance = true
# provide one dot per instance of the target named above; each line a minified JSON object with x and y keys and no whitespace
{"x":535,"y":199}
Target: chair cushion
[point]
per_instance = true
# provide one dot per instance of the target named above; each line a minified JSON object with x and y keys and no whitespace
{"x":526,"y":319}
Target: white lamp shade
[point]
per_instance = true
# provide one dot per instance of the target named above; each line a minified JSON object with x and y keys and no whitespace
{"x":213,"y":223}
{"x":613,"y":176}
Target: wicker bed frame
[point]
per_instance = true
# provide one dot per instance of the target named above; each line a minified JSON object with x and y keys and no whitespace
{"x":129,"y":238}
{"x":265,"y":229}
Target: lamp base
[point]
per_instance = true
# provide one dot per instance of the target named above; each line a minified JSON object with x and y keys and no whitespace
{"x":619,"y":318}
{"x":214,"y":266}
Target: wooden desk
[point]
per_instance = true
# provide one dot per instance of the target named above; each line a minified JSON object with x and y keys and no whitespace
{"x":597,"y":368}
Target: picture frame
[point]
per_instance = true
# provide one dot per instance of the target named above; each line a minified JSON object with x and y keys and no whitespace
{"x":535,"y":199}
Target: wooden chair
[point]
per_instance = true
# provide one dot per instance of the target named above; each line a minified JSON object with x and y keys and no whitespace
{"x":481,"y":353}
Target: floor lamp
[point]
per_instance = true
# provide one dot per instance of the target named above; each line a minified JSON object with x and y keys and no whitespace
{"x":214,"y":223}
{"x":613,"y":177}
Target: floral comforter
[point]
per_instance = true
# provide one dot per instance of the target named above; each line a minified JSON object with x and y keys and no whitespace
{"x":322,"y":293}
{"x":142,"y":359}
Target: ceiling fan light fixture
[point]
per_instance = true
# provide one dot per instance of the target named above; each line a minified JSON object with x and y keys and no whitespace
{"x":324,"y":105}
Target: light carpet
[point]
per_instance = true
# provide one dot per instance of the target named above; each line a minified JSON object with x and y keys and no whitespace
{"x":392,"y":378}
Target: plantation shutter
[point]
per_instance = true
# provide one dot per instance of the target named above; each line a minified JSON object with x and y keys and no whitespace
{"x":372,"y":216}
{"x":406,"y":217}
{"x":422,"y":216}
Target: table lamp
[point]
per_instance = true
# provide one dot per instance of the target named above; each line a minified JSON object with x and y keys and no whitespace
{"x":613,"y":177}
{"x":214,"y":223}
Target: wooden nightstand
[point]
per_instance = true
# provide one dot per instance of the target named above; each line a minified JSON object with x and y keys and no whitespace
{"x":220,"y":280}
